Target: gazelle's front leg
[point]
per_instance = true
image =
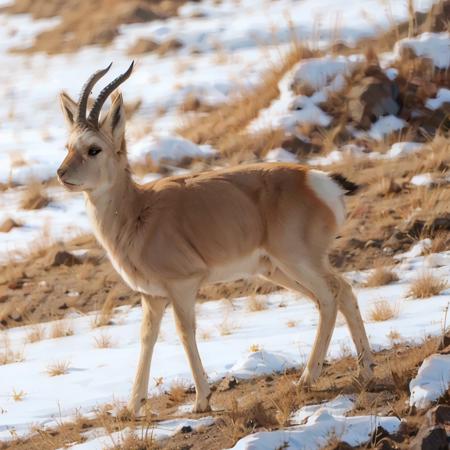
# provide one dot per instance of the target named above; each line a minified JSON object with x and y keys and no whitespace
{"x":152,"y":312}
{"x":183,"y":300}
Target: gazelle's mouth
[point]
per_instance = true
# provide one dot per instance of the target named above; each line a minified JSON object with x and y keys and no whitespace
{"x":67,"y":184}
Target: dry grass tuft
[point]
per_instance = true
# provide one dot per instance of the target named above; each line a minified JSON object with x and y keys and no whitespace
{"x":134,"y":442}
{"x":394,"y":336}
{"x":287,"y":398}
{"x":241,"y":420}
{"x":178,"y":392}
{"x":36,"y":334}
{"x":34,"y":197}
{"x":7,"y":354}
{"x":58,"y":368}
{"x":204,"y":335}
{"x":107,"y":311}
{"x":382,"y":310}
{"x":255,"y":348}
{"x":225,"y":328}
{"x":61,"y":328}
{"x":257,"y":304}
{"x":426,"y":285}
{"x":380,"y":277}
{"x":103,"y":341}
{"x":18,"y":396}
{"x":439,"y":243}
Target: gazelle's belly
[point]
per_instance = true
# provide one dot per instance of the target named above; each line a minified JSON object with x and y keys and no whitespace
{"x":256,"y":263}
{"x":140,"y":284}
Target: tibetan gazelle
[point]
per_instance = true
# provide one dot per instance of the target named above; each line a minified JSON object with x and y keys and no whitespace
{"x":168,"y":237}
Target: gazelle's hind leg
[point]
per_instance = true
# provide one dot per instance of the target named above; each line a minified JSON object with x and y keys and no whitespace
{"x":348,"y":305}
{"x":310,"y":281}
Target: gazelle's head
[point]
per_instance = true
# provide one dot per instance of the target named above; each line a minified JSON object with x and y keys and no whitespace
{"x":96,"y":147}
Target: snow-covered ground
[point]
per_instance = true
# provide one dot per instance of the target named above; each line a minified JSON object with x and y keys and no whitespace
{"x":255,"y":343}
{"x":233,"y":48}
{"x":227,"y":46}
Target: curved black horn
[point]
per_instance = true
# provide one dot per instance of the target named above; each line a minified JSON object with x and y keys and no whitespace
{"x":85,"y":91}
{"x":104,"y":94}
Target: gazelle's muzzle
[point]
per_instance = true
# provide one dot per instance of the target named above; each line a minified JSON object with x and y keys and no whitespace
{"x":67,"y":171}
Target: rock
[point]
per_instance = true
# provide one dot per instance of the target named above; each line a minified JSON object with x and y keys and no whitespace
{"x":356,"y":243}
{"x":379,"y":434}
{"x":377,"y":243}
{"x":16,"y":284}
{"x":169,"y":46}
{"x":65,"y":258}
{"x":296,"y":145}
{"x":430,"y":438}
{"x":393,"y":243}
{"x":186,"y":429}
{"x":439,"y":415}
{"x":445,"y":341}
{"x":4,"y":298}
{"x":7,"y":225}
{"x":373,"y":97}
{"x":227,"y":384}
{"x":143,"y":46}
{"x":341,"y":446}
{"x":386,"y":444}
{"x":416,"y":227}
{"x":441,"y":223}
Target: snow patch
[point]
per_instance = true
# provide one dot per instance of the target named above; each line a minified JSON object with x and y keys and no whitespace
{"x":386,"y":125}
{"x":262,"y":363}
{"x":400,"y":149}
{"x":339,"y":406}
{"x":433,"y":46}
{"x":443,"y":96}
{"x":280,"y":155}
{"x":317,"y":73}
{"x":423,"y":179}
{"x":431,"y":382}
{"x":416,"y":250}
{"x":316,"y":433}
{"x":168,"y":148}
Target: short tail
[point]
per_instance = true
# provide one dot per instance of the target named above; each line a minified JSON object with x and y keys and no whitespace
{"x":348,"y":186}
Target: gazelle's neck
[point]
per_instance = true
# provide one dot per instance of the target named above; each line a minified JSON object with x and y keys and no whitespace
{"x":109,"y":207}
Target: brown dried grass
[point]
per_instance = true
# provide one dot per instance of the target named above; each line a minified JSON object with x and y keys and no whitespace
{"x":426,"y":285}
{"x":34,"y":197}
{"x":36,"y":333}
{"x":222,"y":126}
{"x":61,"y":328}
{"x":382,"y":310}
{"x":58,"y":368}
{"x":380,"y":277}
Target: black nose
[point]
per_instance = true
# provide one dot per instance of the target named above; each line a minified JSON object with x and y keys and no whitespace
{"x":61,"y":172}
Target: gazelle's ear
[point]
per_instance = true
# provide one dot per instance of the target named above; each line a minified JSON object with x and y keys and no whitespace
{"x":114,"y":122}
{"x":69,"y":108}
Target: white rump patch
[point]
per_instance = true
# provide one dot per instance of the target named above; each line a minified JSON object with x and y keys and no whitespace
{"x":329,"y":192}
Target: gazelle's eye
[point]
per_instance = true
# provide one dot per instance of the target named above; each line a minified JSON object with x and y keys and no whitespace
{"x":93,"y":151}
